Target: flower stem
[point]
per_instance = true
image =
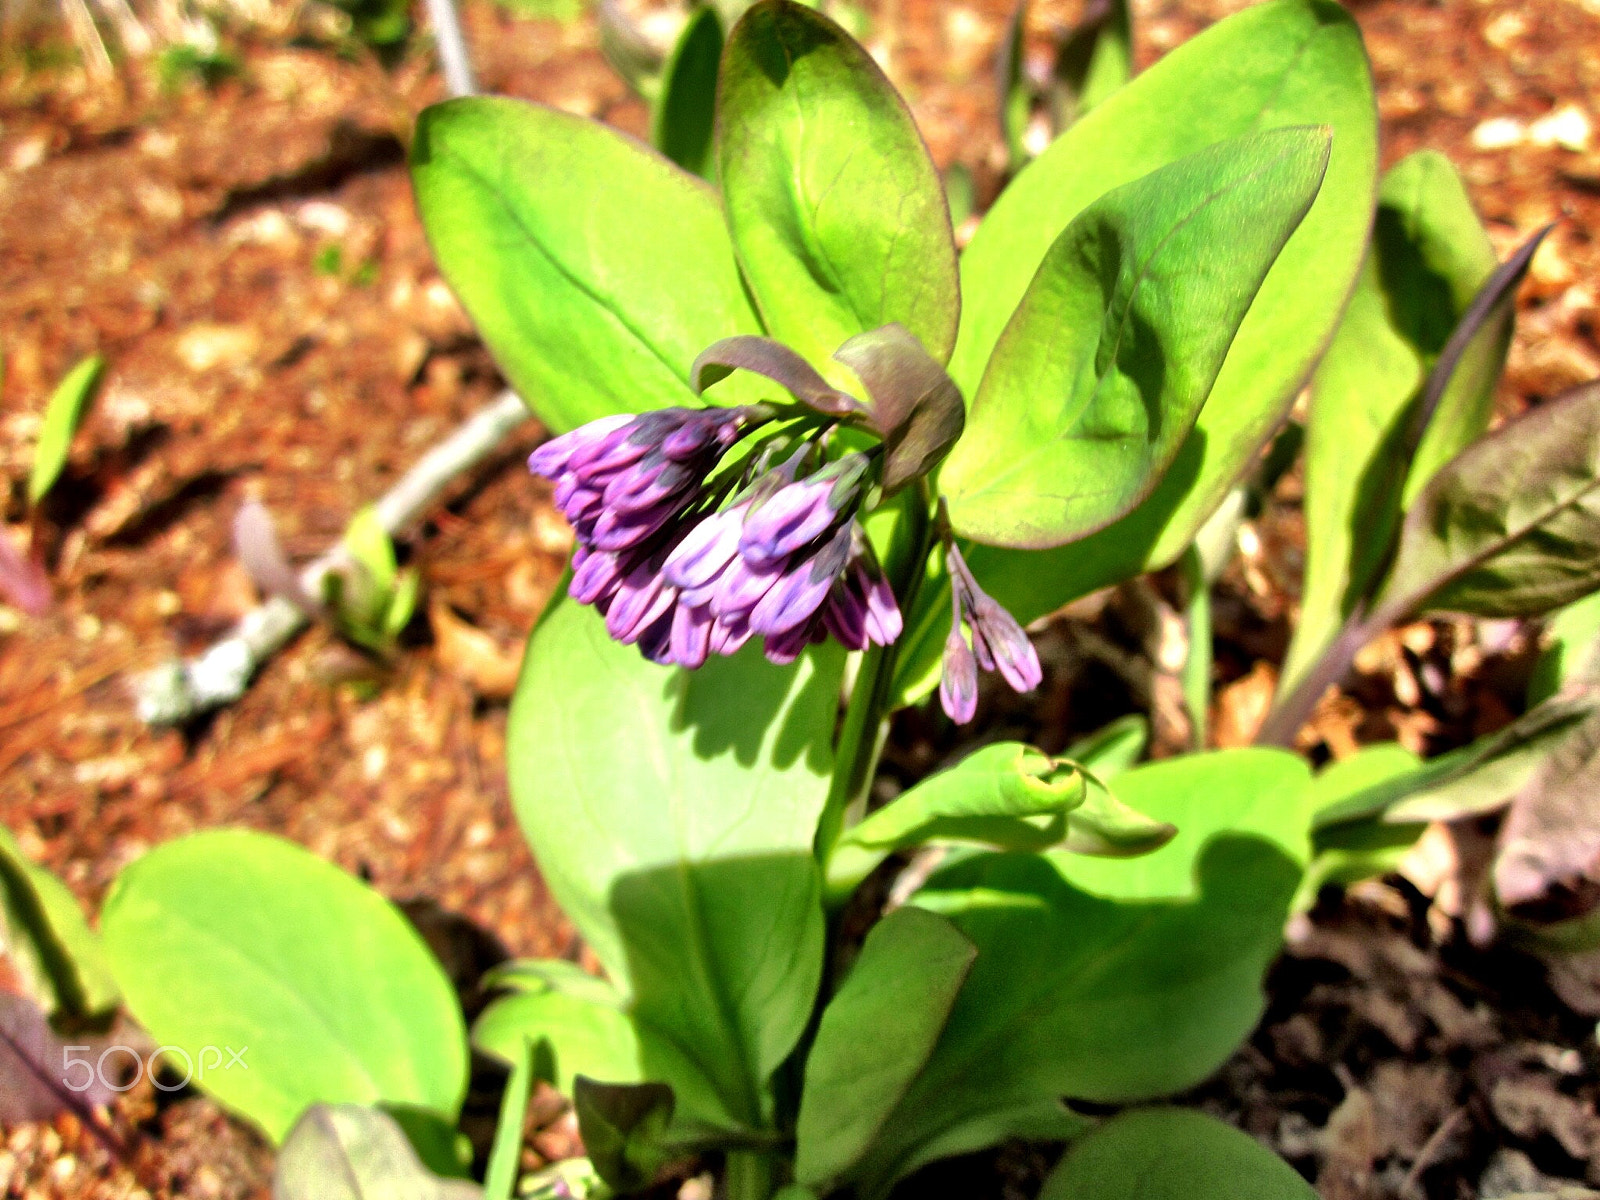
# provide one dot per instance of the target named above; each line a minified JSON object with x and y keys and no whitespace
{"x":866,"y":725}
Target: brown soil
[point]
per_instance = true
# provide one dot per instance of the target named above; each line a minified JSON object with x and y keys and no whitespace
{"x":249,"y":261}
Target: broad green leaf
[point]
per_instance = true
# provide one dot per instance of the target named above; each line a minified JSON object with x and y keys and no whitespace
{"x":68,"y":405}
{"x":552,"y":975}
{"x":1571,"y":637}
{"x":350,"y":1152}
{"x":1172,"y":1154}
{"x":1511,"y":525}
{"x":1429,"y":255}
{"x":1141,"y":977}
{"x":1288,"y":62}
{"x":672,"y":814}
{"x":874,"y":1037}
{"x":834,"y":205}
{"x":233,"y":939}
{"x":594,"y":269}
{"x":570,"y":1036}
{"x":57,"y":957}
{"x":1100,"y":373}
{"x":685,"y":111}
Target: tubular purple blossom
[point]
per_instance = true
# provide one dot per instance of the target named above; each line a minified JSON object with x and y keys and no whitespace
{"x":998,"y":643}
{"x":682,"y":570}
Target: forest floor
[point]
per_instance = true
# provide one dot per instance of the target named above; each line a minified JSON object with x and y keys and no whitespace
{"x":249,"y":260}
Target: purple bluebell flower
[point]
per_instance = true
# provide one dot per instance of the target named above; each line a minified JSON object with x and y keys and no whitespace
{"x":958,"y":681}
{"x":998,"y":643}
{"x":689,"y":547}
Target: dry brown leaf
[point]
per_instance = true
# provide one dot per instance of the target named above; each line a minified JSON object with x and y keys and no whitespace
{"x":473,"y":656}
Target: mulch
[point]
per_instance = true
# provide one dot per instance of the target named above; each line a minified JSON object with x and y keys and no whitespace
{"x":249,"y":261}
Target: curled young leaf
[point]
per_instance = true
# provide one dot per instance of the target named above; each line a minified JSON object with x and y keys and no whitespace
{"x":772,"y":359}
{"x":916,"y":407}
{"x":1511,"y":525}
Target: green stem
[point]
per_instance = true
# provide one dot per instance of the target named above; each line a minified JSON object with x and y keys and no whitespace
{"x":749,"y":1175}
{"x":865,"y":725}
{"x":1197,"y":665}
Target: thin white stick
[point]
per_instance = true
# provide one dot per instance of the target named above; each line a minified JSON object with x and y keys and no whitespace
{"x":181,"y":689}
{"x":452,"y":47}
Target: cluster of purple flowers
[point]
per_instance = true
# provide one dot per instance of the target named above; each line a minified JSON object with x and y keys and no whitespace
{"x":683,"y":577}
{"x":998,"y":643}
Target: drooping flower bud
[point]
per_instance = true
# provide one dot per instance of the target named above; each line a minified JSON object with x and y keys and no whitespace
{"x":998,"y":643}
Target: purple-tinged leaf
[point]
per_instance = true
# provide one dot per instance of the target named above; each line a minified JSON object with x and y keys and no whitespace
{"x":1511,"y":525}
{"x":916,"y":407}
{"x":1469,"y":365}
{"x":1550,"y":842}
{"x":23,"y":582}
{"x":778,"y":363}
{"x":35,"y":1084}
{"x":624,"y":1128}
{"x":256,"y":545}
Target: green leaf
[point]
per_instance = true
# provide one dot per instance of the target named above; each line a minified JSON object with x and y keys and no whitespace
{"x":571,"y":1035}
{"x":1344,"y":854}
{"x":685,"y":111}
{"x":1093,"y":61}
{"x":1511,"y":525}
{"x":1103,"y":368}
{"x":1172,"y":1154}
{"x":1103,"y":825}
{"x":57,"y":957}
{"x":1141,"y":977}
{"x":1113,"y":748}
{"x":624,"y":1128}
{"x":1429,"y":256}
{"x":672,"y":814}
{"x":1287,"y":62}
{"x":576,"y":251}
{"x":68,"y":405}
{"x":232,"y":939}
{"x":986,"y":797}
{"x":370,"y":545}
{"x":1470,"y":781}
{"x":349,"y":1152}
{"x":874,"y":1037}
{"x":1458,"y":399}
{"x":834,"y":205}
{"x":1571,"y":637}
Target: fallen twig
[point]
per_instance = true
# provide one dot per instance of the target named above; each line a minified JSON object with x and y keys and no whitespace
{"x":181,"y":689}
